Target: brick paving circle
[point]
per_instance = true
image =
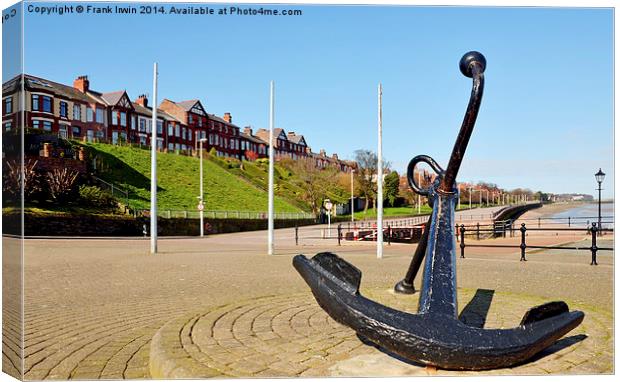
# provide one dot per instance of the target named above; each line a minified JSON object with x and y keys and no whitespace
{"x":286,"y":336}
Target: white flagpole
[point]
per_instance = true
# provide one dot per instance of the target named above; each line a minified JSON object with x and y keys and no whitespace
{"x":380,"y":180}
{"x":154,"y":166}
{"x":271,"y":162}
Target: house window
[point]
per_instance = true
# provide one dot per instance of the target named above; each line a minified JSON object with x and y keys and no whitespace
{"x":160,"y":127}
{"x":200,"y":122}
{"x":133,"y":122}
{"x":62,"y":131}
{"x":64,"y":109}
{"x":177,"y":131}
{"x":170,"y":146}
{"x":8,"y":105}
{"x":99,"y":115}
{"x":89,"y":114}
{"x":36,"y":124}
{"x":35,"y":102}
{"x":191,"y":118}
{"x":123,"y":119}
{"x":76,"y":112}
{"x":47,"y":125}
{"x":142,"y":128}
{"x":184,"y":133}
{"x":189,"y":134}
{"x":114,"y":117}
{"x":7,"y":126}
{"x":47,"y":104}
{"x":76,"y":131}
{"x":170,"y":129}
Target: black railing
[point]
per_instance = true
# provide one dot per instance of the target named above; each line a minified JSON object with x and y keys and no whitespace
{"x":523,"y":246}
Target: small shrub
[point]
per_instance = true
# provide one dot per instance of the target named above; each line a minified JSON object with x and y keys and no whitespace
{"x":60,"y":183}
{"x":94,"y":196}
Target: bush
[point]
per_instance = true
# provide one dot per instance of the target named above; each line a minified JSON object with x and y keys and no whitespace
{"x":94,"y":196}
{"x":60,"y":183}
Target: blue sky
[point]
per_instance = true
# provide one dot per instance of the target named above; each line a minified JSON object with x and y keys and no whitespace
{"x":546,"y":121}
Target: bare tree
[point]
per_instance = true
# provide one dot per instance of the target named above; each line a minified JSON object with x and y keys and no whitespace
{"x":366,"y":175}
{"x":315,"y":183}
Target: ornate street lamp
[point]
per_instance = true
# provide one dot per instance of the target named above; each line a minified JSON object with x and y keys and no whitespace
{"x":600,"y":176}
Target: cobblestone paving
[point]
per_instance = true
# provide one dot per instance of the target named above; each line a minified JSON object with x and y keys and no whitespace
{"x":96,"y":308}
{"x":287,"y":336}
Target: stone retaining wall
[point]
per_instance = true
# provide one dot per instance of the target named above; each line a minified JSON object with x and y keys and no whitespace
{"x":121,"y":225}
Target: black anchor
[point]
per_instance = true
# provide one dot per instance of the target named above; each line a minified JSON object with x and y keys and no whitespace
{"x":435,"y":336}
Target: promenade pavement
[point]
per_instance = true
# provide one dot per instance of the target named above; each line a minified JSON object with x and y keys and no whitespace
{"x":219,"y":306}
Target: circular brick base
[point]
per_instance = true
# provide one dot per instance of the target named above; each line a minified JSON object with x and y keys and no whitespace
{"x":284,"y":336}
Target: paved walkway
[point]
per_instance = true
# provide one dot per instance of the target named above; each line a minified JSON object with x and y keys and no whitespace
{"x":108,"y":309}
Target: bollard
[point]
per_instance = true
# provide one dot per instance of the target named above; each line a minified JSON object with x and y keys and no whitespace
{"x":462,"y":241}
{"x":389,"y":235}
{"x":538,"y":222}
{"x":523,"y":245}
{"x":504,"y":224}
{"x":339,"y":233}
{"x":296,"y":235}
{"x":478,"y":231}
{"x":593,"y":248}
{"x":569,"y":221}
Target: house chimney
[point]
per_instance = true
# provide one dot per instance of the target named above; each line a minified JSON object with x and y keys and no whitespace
{"x":81,"y":83}
{"x":228,"y":117}
{"x":247,"y":130}
{"x":142,"y":100}
{"x":291,"y":133}
{"x":335,"y":156}
{"x":322,"y":153}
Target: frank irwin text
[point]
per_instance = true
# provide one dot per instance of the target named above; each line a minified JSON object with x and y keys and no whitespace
{"x":159,"y":9}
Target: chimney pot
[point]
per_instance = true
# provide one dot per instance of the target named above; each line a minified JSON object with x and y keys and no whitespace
{"x":228,"y":117}
{"x":142,"y":100}
{"x":81,"y":83}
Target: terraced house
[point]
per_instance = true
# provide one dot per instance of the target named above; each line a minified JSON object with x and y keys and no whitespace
{"x":79,"y":112}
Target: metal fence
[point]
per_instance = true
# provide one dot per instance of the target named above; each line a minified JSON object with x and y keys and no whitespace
{"x":220,"y":214}
{"x":593,"y":231}
{"x":116,"y":191}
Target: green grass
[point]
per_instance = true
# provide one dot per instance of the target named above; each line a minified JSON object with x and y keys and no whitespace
{"x":391,"y":212}
{"x":178,"y":181}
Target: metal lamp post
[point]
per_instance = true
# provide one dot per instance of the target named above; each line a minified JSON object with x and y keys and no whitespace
{"x":328,"y":206}
{"x":352,"y":198}
{"x":201,"y":205}
{"x":600,"y":176}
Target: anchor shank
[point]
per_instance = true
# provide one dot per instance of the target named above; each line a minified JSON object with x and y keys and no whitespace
{"x":476,"y":69}
{"x":438,"y":294}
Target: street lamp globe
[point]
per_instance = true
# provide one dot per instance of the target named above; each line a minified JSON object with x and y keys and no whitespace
{"x":600,"y":176}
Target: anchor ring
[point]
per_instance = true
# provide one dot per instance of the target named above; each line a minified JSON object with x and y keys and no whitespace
{"x":411,"y":175}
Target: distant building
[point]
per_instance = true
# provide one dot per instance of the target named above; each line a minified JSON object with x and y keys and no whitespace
{"x":79,"y":112}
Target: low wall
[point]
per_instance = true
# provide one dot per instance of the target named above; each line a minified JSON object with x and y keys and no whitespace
{"x":512,"y":213}
{"x":121,"y":225}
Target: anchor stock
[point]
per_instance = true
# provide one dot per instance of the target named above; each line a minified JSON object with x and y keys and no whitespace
{"x":435,"y":336}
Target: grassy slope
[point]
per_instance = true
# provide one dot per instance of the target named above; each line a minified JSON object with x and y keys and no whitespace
{"x":178,"y":181}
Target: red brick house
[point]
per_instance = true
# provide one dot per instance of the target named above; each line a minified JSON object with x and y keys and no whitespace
{"x":250,"y":143}
{"x":70,"y":112}
{"x":224,"y":136}
{"x":190,"y":125}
